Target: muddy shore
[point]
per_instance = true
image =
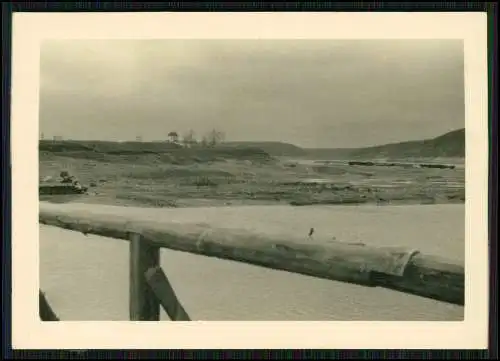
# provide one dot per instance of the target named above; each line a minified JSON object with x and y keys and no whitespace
{"x":153,"y":182}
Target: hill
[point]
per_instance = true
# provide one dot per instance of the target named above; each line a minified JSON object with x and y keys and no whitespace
{"x":105,"y":146}
{"x":148,"y":152}
{"x":448,"y":145}
{"x":451,"y":144}
{"x":273,"y":148}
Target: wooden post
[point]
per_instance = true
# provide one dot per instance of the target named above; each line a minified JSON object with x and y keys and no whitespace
{"x":160,"y":285}
{"x":144,"y":305}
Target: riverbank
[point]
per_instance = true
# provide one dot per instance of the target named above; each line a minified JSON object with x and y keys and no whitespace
{"x":245,"y":178}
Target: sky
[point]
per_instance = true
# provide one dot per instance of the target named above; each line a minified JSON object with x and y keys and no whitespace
{"x":312,"y":93}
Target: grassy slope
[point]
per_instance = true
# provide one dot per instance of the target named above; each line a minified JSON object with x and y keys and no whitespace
{"x":449,"y":145}
{"x":148,"y":152}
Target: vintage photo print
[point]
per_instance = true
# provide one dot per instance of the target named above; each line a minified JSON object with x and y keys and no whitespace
{"x":323,"y":175}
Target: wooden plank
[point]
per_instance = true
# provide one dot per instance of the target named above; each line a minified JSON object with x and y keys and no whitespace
{"x":143,"y":304}
{"x":163,"y":290}
{"x":45,"y":311}
{"x":422,"y":275}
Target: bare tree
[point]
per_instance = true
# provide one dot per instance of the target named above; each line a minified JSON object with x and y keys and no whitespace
{"x":221,"y":136}
{"x":204,"y":141}
{"x":215,"y":137}
{"x":189,"y":139}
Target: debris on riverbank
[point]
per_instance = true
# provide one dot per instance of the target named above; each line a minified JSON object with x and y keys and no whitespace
{"x":65,"y":184}
{"x":151,"y":182}
{"x":405,"y":165}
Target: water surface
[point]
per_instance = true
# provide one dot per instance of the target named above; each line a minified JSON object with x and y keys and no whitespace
{"x":86,"y":277}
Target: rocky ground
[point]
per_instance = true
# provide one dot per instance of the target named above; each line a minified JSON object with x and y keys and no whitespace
{"x":170,"y":181}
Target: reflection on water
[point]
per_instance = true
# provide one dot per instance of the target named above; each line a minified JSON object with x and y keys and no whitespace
{"x":86,"y":277}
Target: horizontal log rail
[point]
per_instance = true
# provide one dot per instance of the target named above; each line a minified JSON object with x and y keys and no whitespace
{"x":395,"y":268}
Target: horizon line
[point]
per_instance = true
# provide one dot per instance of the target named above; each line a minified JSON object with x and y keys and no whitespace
{"x":239,"y":141}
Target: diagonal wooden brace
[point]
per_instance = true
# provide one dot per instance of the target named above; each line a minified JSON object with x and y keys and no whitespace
{"x":159,"y":284}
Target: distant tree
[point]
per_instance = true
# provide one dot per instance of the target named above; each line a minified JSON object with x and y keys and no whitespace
{"x":189,"y":139}
{"x":221,"y":137}
{"x":215,"y":137}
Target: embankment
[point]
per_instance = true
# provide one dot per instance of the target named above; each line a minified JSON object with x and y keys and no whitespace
{"x":166,"y":175}
{"x":149,"y":152}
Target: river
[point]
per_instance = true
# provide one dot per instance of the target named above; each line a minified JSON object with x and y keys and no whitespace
{"x":86,"y":277}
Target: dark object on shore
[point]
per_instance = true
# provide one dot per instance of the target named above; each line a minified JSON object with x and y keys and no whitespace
{"x":60,"y":189}
{"x":45,"y":311}
{"x":361,"y":163}
{"x":440,"y":166}
{"x":342,"y":201}
{"x":67,"y":185}
{"x":416,"y":165}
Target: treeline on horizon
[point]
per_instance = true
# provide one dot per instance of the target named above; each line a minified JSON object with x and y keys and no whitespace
{"x":451,"y":144}
{"x":210,"y":139}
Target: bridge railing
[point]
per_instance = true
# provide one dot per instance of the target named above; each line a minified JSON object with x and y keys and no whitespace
{"x":395,"y":268}
{"x":149,"y":287}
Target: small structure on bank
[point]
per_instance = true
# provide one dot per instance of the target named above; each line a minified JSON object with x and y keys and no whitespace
{"x":66,"y":184}
{"x":173,"y":137}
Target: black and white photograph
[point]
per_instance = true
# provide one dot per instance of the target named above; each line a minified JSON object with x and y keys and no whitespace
{"x":252,"y":179}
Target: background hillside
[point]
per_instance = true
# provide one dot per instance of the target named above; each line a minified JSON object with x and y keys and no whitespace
{"x":450,"y":145}
{"x":148,"y":152}
{"x":273,"y":148}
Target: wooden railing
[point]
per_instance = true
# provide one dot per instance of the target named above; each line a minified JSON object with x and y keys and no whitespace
{"x":149,"y":287}
{"x":394,"y":268}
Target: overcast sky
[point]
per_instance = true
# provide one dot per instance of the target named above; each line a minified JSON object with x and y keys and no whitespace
{"x":313,"y":93}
